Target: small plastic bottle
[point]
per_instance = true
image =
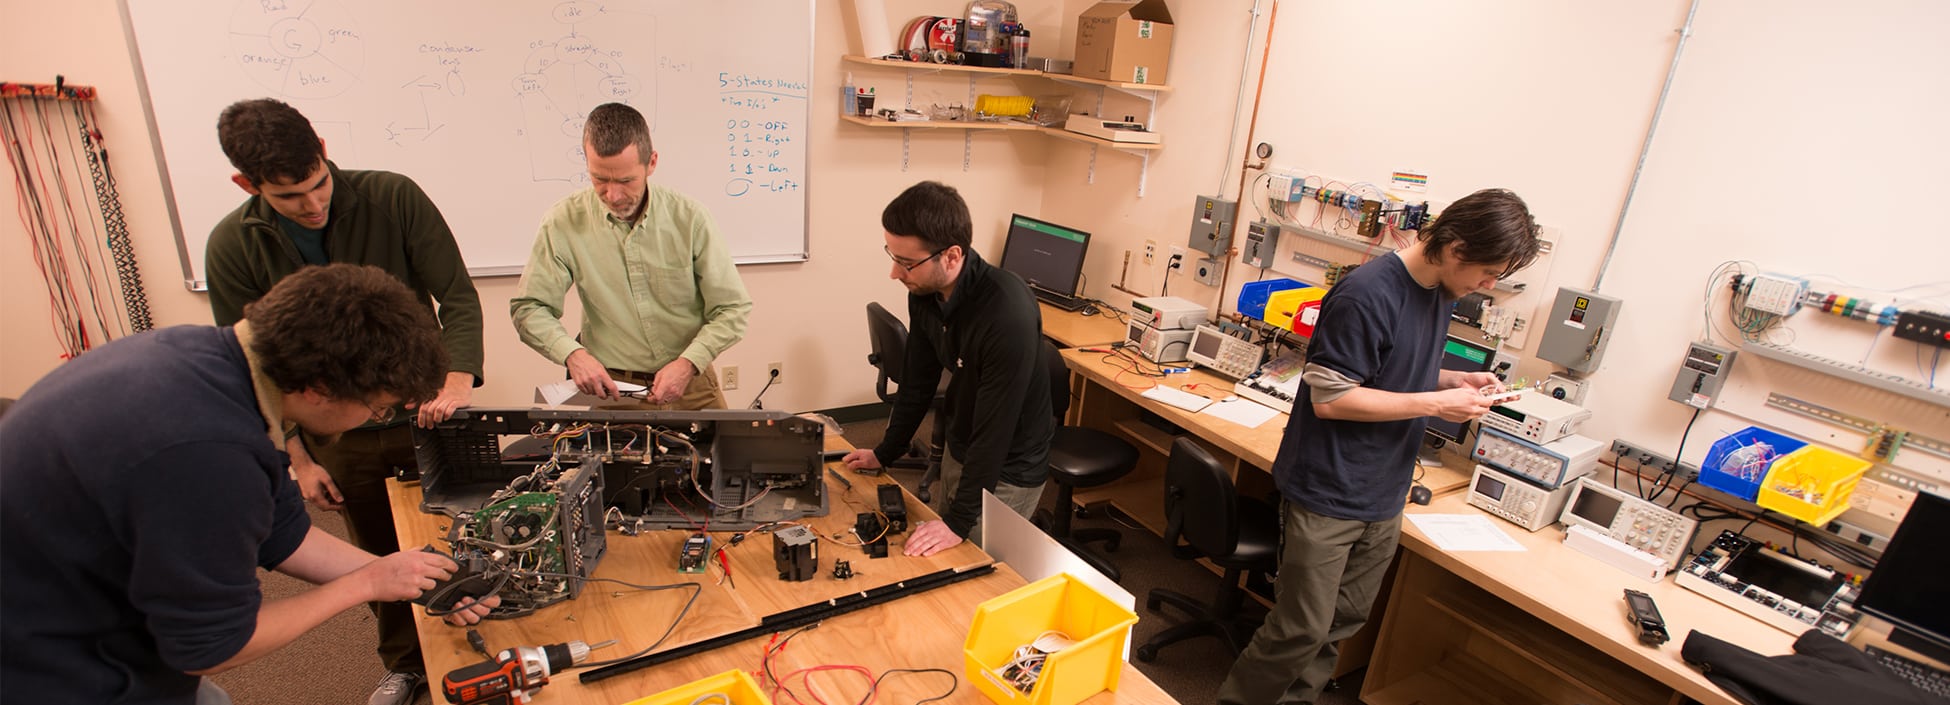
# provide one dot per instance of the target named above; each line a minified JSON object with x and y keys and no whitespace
{"x":849,"y":103}
{"x":1019,"y":48}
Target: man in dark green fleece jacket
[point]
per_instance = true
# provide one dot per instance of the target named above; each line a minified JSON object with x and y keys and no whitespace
{"x":303,"y":211}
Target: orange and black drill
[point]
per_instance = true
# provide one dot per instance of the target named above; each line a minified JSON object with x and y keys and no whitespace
{"x":514,"y":676}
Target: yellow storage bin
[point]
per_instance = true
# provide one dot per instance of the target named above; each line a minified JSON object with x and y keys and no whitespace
{"x":1812,"y":484}
{"x":1059,"y":603}
{"x":737,"y":686}
{"x":1282,"y":307}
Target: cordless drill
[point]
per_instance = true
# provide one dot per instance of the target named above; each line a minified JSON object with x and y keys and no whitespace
{"x":514,"y":676}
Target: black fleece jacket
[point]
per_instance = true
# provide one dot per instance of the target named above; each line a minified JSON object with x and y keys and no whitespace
{"x":988,"y":334}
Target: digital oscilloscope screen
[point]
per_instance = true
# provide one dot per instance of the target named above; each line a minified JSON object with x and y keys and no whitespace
{"x":1596,"y":507}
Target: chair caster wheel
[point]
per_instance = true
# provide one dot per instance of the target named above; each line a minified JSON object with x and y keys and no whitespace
{"x":1085,"y":512}
{"x":1147,"y":653}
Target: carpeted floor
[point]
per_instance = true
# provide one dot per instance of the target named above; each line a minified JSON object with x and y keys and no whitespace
{"x":336,"y":664}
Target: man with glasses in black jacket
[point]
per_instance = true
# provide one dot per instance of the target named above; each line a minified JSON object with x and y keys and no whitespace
{"x":980,"y":323}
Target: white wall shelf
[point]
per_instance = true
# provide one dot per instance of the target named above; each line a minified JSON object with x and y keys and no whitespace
{"x":1146,"y":92}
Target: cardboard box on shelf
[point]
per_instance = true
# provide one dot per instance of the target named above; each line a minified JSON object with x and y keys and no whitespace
{"x":1124,"y":41}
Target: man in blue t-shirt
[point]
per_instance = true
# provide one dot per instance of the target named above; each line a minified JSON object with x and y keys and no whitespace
{"x":1345,"y":465}
{"x":146,"y":483}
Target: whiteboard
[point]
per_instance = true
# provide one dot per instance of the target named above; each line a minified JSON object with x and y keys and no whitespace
{"x":482,"y":103}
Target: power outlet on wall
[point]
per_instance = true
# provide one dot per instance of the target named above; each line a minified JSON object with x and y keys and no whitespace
{"x":728,"y":377}
{"x":1647,"y":459}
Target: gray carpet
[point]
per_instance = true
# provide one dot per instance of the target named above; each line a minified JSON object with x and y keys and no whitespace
{"x":336,"y":663}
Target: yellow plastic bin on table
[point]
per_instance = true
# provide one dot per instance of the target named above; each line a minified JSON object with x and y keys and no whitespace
{"x":1098,"y":627}
{"x":736,"y":686}
{"x":1812,"y":484}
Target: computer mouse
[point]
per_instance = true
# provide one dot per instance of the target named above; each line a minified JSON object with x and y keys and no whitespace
{"x":1419,"y":495}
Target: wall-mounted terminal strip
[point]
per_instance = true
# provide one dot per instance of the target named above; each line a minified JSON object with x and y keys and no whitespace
{"x":1773,"y":293}
{"x":1927,"y":327}
{"x":1648,"y":459}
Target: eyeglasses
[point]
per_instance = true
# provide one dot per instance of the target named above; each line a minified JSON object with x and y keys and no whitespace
{"x":911,"y":267}
{"x":381,"y":414}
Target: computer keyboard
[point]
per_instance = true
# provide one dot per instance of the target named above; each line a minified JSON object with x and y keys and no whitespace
{"x":1067,"y":303}
{"x":1928,"y":678}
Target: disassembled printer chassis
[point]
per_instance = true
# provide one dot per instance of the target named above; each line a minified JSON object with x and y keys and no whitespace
{"x":535,"y":513}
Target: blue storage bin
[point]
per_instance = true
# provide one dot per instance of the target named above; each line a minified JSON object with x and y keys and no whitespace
{"x":1738,"y":463}
{"x":1253,"y":296}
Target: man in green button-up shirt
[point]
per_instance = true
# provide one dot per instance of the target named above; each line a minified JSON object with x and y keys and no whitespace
{"x":660,"y":296}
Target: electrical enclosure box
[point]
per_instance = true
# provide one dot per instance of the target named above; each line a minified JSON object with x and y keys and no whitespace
{"x":1206,"y":271}
{"x":1212,"y":221}
{"x":1579,"y":329}
{"x":1701,"y":375}
{"x":1564,"y":388}
{"x":1262,"y":240}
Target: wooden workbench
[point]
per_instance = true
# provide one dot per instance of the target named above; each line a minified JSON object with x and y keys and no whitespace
{"x":921,"y":631}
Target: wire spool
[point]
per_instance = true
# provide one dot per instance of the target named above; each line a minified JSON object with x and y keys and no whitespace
{"x":1005,"y":105}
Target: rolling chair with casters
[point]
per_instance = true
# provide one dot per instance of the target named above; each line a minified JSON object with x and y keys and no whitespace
{"x":887,"y":341}
{"x":1239,"y":534}
{"x":1081,"y":457}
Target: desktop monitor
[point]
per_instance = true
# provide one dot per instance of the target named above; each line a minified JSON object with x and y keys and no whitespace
{"x":1910,"y":581}
{"x":1046,"y":255}
{"x":1462,"y":356}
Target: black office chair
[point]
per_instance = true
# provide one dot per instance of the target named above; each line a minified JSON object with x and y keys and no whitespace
{"x":887,"y":341}
{"x":1081,"y":457}
{"x":1238,"y":534}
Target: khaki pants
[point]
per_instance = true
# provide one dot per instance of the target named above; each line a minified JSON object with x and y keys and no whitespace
{"x":1021,"y":499}
{"x":702,"y":393}
{"x":1330,"y":571}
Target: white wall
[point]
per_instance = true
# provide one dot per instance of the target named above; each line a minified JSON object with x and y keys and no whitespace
{"x":1802,"y":136}
{"x":809,"y":316}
